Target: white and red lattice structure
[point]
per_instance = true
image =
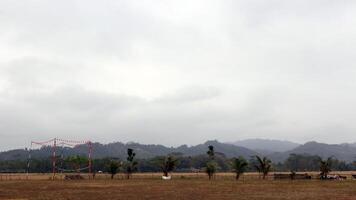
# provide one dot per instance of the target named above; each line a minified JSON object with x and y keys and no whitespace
{"x":56,"y":143}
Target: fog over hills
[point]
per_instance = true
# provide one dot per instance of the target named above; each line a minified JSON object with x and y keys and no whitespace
{"x":118,"y":149}
{"x":267,"y":145}
{"x":273,"y":149}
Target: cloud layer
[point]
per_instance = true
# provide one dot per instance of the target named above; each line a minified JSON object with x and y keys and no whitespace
{"x":175,"y":72}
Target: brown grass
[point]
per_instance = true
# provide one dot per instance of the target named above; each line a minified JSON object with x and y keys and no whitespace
{"x":183,"y":186}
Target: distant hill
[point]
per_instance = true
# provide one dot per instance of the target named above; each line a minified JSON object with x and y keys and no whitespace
{"x":270,"y":148}
{"x":228,"y":150}
{"x":266,"y":146}
{"x":349,"y":144}
{"x":119,"y":149}
{"x":345,"y":152}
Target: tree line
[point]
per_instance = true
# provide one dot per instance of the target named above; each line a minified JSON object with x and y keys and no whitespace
{"x":210,"y":163}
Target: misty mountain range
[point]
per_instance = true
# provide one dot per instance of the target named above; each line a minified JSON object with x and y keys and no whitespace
{"x":276,"y":150}
{"x":264,"y":145}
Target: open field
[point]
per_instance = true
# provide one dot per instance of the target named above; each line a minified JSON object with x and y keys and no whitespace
{"x":145,"y":187}
{"x":148,"y":175}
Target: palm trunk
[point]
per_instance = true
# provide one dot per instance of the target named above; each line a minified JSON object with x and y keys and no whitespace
{"x":237,"y":176}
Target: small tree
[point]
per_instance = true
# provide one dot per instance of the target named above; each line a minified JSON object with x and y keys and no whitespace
{"x":210,"y":169}
{"x":239,"y":165}
{"x":168,"y":165}
{"x":325,"y":167}
{"x":76,"y":161}
{"x":113,"y":168}
{"x":263,"y":166}
{"x":131,"y":164}
{"x":211,"y":165}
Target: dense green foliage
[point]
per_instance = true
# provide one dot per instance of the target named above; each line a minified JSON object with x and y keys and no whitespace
{"x":305,"y":162}
{"x":168,"y":164}
{"x":295,"y":162}
{"x":211,"y":168}
{"x":113,"y":168}
{"x":325,"y":167}
{"x":77,"y":162}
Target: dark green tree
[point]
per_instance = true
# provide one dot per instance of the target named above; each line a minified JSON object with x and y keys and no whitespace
{"x":302,"y":162}
{"x":211,"y":168}
{"x":325,"y":167}
{"x":77,"y":161}
{"x":168,"y":164}
{"x":113,"y":168}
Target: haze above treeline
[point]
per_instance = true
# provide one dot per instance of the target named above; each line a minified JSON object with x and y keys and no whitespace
{"x":276,"y":150}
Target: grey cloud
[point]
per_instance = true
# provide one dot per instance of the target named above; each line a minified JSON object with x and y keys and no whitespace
{"x":76,"y":111}
{"x":190,"y":94}
{"x":176,"y":72}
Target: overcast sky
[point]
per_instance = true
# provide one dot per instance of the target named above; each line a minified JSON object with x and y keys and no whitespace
{"x":177,"y":72}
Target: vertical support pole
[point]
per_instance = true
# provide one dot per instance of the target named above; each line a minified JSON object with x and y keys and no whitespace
{"x":29,"y":160}
{"x":54,"y":157}
{"x":89,"y":156}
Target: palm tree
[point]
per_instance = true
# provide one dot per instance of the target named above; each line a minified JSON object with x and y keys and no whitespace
{"x":131,"y":164}
{"x":239,"y":165}
{"x":325,"y":167}
{"x":168,"y":165}
{"x":263,"y":166}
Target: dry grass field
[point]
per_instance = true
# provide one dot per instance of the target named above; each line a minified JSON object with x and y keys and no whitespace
{"x":149,"y":186}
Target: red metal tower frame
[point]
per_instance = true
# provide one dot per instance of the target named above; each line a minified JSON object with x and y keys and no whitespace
{"x":53,"y":143}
